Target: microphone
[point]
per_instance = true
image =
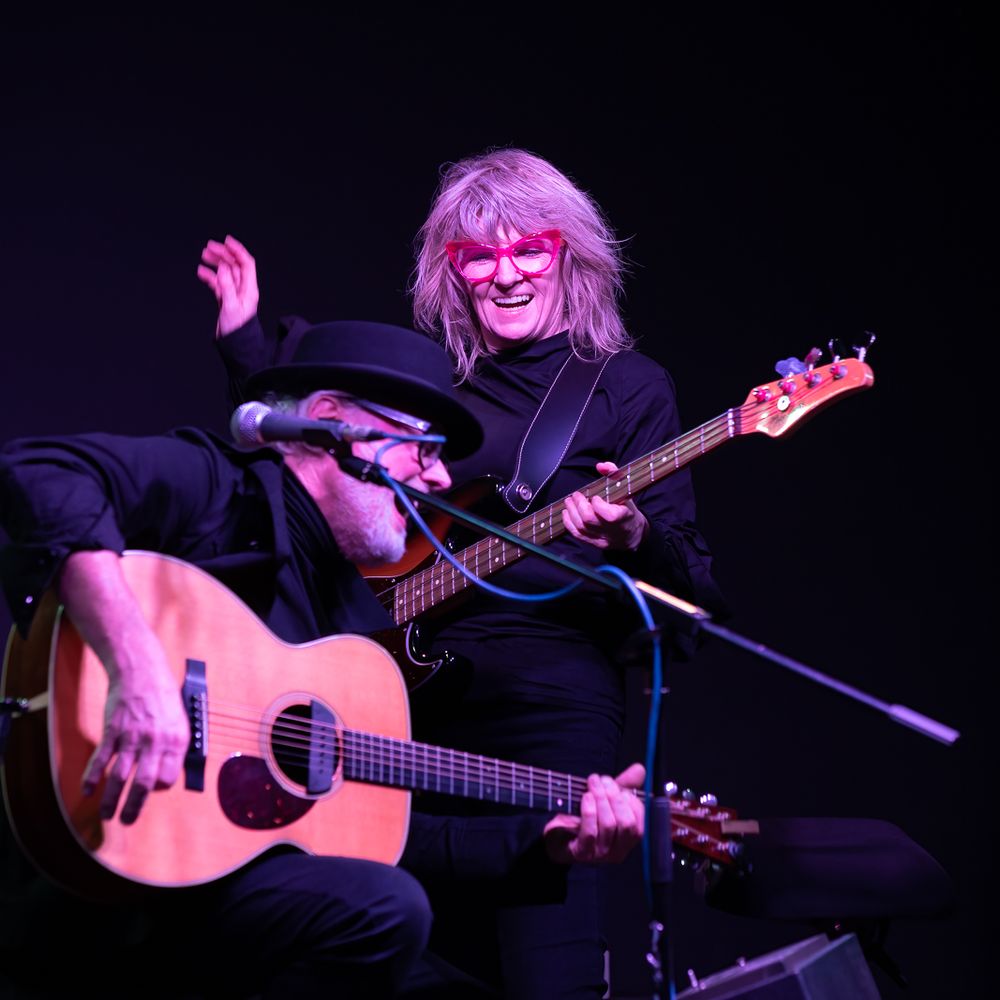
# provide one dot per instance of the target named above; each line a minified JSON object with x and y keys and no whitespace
{"x":257,"y":423}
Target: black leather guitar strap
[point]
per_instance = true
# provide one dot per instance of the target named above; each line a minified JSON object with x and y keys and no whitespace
{"x":552,"y":429}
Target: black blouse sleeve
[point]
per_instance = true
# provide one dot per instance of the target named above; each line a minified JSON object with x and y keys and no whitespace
{"x":250,"y":349}
{"x":245,"y":351}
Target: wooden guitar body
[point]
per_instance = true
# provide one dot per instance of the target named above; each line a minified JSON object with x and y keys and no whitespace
{"x":253,"y":797}
{"x":299,"y":745}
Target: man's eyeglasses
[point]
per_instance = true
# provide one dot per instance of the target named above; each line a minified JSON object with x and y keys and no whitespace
{"x":428,"y":452}
{"x":530,"y":255}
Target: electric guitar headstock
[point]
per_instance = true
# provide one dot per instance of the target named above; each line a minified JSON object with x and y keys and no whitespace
{"x":804,"y":387}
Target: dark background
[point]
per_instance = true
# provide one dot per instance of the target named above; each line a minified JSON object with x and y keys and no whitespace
{"x":782,"y":179}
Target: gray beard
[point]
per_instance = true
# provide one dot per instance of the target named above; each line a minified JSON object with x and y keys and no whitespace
{"x":368,"y":532}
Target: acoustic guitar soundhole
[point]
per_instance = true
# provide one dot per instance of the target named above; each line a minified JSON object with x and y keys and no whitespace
{"x":305,"y":748}
{"x":304,"y":742}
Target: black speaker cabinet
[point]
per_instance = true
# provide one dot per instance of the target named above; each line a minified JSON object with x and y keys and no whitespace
{"x":814,"y":969}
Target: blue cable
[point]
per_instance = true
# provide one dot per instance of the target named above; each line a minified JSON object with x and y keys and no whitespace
{"x":652,"y":731}
{"x":647,"y":617}
{"x":490,"y":588}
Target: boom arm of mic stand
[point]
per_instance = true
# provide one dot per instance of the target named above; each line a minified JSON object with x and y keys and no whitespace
{"x":684,"y":616}
{"x":898,"y":713}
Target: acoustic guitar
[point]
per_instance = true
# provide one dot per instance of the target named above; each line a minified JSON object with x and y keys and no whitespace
{"x":300,"y":745}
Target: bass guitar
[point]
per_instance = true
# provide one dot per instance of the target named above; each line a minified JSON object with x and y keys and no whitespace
{"x":421,"y":582}
{"x":299,"y":745}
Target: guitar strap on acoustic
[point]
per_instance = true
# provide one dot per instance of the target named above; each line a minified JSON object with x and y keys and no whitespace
{"x":552,"y":429}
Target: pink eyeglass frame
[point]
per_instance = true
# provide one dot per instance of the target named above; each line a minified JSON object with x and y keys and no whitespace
{"x":453,"y":247}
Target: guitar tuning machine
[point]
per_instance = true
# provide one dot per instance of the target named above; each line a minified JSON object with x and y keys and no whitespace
{"x":862,"y":349}
{"x":836,"y":348}
{"x":788,"y":367}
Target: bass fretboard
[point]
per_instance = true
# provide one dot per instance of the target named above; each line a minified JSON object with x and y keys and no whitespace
{"x":427,"y":588}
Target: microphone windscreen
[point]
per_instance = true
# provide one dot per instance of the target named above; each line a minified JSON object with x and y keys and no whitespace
{"x":245,"y":423}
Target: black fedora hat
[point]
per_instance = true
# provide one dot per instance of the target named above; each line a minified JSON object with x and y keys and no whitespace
{"x":379,"y":362}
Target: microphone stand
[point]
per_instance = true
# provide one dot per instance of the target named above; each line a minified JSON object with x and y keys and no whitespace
{"x":683,"y":617}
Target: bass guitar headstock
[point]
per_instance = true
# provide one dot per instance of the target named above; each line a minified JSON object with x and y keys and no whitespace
{"x":804,"y":387}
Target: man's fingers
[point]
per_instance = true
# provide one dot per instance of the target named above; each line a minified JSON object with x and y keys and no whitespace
{"x":628,"y":814}
{"x":117,"y":777}
{"x":169,"y":769}
{"x":607,"y":826}
{"x":632,"y":777}
{"x":133,"y":803}
{"x":94,"y":770}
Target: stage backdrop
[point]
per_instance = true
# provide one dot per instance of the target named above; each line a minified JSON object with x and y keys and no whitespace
{"x":779,"y":181}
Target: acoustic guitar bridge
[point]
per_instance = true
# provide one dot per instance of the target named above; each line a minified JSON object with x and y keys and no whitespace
{"x":194,"y":694}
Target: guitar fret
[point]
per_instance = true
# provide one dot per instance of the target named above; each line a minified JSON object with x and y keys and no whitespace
{"x":517,"y":787}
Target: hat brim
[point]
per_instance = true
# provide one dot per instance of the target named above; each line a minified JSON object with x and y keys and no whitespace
{"x":410,"y":394}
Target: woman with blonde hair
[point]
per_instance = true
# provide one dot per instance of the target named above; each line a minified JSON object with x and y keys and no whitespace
{"x":518,"y":270}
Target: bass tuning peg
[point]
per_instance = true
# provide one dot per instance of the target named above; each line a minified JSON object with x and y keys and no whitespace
{"x":861,"y":349}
